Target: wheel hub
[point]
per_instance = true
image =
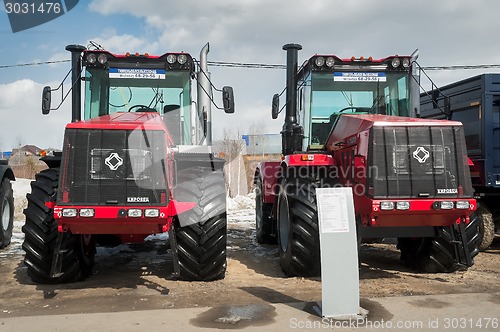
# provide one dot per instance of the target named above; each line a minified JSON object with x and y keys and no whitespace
{"x":284,"y":223}
{"x":5,"y":214}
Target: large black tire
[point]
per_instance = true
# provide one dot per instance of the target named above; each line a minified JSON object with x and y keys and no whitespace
{"x":41,"y":233}
{"x":263,"y":221}
{"x":201,"y":245}
{"x":298,"y":232}
{"x":6,"y":212}
{"x":437,"y":255}
{"x":486,"y":227}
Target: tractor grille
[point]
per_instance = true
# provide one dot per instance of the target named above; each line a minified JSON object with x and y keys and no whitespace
{"x":113,"y":167}
{"x":418,"y":162}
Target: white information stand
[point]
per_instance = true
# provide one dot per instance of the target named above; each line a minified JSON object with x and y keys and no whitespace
{"x":339,"y":254}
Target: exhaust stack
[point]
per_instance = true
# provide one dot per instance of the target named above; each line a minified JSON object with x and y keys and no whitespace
{"x":292,"y":133}
{"x":204,"y":95}
{"x":76,"y":82}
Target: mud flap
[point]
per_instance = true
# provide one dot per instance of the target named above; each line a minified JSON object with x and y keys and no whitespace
{"x":175,"y":252}
{"x":56,"y":267}
{"x":459,"y":240}
{"x":463,"y":244}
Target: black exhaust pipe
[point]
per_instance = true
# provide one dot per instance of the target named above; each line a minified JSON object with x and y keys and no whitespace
{"x":292,"y":134}
{"x":76,"y":82}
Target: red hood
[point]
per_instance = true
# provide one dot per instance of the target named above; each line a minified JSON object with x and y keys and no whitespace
{"x":349,"y":124}
{"x":123,"y":121}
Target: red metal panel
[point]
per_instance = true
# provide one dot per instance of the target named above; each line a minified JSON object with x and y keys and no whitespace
{"x":311,"y":159}
{"x":351,"y":124}
{"x":268,"y":172}
{"x":107,"y":220}
{"x":123,"y":121}
{"x":421,"y":212}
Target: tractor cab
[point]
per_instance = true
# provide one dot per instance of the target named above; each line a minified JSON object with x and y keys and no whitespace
{"x":139,"y":83}
{"x":328,"y":87}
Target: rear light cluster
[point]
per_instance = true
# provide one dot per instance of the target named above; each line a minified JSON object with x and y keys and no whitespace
{"x":448,"y":205}
{"x":399,"y":205}
{"x":131,"y":213}
{"x":439,"y":205}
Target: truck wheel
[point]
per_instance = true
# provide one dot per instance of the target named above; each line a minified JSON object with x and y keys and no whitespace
{"x":486,"y":227}
{"x":201,"y":245}
{"x":436,"y":255}
{"x":6,"y":212}
{"x":40,"y":235}
{"x":263,"y":221}
{"x":298,"y":233}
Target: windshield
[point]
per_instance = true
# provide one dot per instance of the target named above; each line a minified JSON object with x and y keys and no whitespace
{"x":112,"y":90}
{"x":355,"y":92}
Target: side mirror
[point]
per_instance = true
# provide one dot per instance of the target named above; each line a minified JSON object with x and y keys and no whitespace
{"x":46,"y":98}
{"x":228,"y":99}
{"x":276,"y":106}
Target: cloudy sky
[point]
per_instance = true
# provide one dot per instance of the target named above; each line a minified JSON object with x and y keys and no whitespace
{"x":446,"y":32}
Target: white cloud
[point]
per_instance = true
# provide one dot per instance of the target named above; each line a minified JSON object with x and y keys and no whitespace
{"x":22,"y":119}
{"x":120,"y":43}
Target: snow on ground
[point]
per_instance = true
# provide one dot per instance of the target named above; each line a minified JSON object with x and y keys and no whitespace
{"x":241,"y":222}
{"x":20,"y":187}
{"x":241,"y":211}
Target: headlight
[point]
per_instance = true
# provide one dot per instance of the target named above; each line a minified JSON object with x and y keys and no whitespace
{"x":69,"y":213}
{"x":134,"y":213}
{"x":386,"y":205}
{"x":87,"y":213}
{"x":463,"y":205}
{"x":171,"y":58}
{"x":91,"y":58}
{"x":102,"y":58}
{"x":447,"y":205}
{"x":319,"y":61}
{"x":395,"y":62}
{"x":402,"y":205}
{"x":182,"y":58}
{"x":152,"y":213}
{"x":330,"y":61}
{"x":406,"y":62}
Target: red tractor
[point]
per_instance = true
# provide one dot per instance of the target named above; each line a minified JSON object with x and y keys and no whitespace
{"x":349,"y":122}
{"x":138,"y":163}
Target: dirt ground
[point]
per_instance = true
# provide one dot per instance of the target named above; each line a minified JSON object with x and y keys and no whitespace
{"x":138,"y":277}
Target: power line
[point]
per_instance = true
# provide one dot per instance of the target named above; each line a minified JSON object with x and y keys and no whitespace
{"x":245,"y":65}
{"x":33,"y":64}
{"x":268,"y":66}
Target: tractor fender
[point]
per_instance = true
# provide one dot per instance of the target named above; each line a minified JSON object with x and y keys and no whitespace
{"x":268,"y":172}
{"x":6,"y":171}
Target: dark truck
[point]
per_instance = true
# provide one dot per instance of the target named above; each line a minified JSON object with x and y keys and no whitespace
{"x":476,"y":103}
